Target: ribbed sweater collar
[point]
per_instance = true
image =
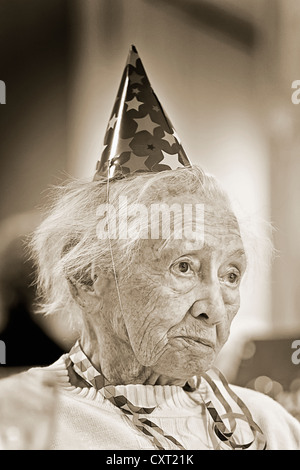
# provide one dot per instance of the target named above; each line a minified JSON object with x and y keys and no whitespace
{"x":166,"y":396}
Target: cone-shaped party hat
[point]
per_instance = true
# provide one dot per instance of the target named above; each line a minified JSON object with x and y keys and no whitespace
{"x":139,"y":137}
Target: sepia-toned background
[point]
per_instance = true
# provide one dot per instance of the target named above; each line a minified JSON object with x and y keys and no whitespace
{"x":223,"y":70}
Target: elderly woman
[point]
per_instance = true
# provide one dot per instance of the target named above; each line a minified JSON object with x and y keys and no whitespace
{"x":152,"y":314}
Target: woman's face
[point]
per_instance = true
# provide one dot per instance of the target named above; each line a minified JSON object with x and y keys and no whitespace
{"x":182,"y":295}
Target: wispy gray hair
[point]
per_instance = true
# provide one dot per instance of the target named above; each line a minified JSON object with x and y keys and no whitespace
{"x":65,"y":246}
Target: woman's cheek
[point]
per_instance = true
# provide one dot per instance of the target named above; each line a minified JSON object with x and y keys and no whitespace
{"x":181,"y":285}
{"x":231,"y":299}
{"x":148,"y":333}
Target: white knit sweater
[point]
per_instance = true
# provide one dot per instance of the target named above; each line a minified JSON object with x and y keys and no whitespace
{"x":85,"y":420}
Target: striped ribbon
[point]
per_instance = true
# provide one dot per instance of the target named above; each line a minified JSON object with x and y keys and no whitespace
{"x":83,"y":367}
{"x":225,"y":436}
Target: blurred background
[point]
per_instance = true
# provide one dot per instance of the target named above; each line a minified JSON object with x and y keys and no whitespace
{"x":223,"y":71}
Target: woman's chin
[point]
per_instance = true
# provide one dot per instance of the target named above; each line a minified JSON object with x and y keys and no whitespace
{"x":179,"y":373}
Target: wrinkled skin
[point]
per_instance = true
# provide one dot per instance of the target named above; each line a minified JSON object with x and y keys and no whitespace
{"x":178,"y":303}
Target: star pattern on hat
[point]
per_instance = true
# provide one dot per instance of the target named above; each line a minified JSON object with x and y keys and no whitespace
{"x":138,"y":115}
{"x":170,"y":138}
{"x":112,"y":122}
{"x":135,"y":164}
{"x":133,"y":104}
{"x":146,"y":124}
{"x":170,"y":161}
{"x":136,"y":78}
{"x":133,"y":57}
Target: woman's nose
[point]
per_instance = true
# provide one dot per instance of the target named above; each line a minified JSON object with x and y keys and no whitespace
{"x":211,"y":308}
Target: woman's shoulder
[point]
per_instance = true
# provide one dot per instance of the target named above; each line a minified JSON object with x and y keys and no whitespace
{"x":257,"y":400}
{"x":280,"y":427}
{"x":36,"y":377}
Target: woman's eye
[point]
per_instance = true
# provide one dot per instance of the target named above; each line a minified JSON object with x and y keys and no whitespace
{"x":232,"y":278}
{"x":183,"y":267}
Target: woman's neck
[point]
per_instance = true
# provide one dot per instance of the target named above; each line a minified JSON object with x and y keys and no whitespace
{"x":115,"y":359}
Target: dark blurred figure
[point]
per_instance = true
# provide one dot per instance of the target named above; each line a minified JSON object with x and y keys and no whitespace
{"x":26,"y":338}
{"x":35,"y":66}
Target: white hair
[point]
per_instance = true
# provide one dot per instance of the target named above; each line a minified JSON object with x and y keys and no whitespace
{"x":65,"y":246}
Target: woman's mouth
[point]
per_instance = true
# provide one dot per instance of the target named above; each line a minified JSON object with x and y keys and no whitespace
{"x":193,"y":339}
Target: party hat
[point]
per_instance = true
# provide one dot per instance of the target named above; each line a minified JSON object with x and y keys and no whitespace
{"x":139,"y":137}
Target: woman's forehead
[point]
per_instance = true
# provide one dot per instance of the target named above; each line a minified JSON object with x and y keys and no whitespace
{"x":224,"y":242}
{"x":219,"y":233}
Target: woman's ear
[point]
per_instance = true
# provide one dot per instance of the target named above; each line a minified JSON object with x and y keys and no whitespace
{"x":83,"y":294}
{"x":102,"y":283}
{"x":89,"y":293}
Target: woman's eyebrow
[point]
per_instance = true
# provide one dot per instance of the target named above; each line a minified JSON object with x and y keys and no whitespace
{"x":239,"y":252}
{"x":166,"y":246}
